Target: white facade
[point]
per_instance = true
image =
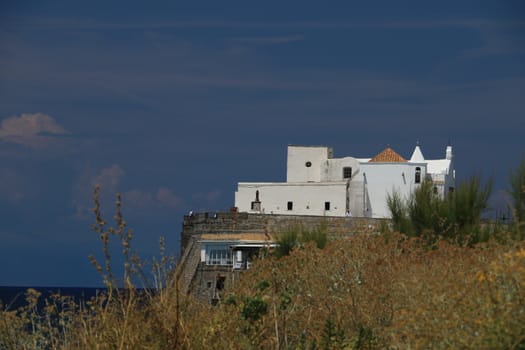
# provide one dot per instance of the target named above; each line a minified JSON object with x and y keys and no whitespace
{"x":318,"y":184}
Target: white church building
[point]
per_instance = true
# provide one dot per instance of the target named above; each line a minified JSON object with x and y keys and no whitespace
{"x":321,"y":185}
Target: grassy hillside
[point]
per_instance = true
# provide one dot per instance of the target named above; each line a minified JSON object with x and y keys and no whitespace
{"x":367,"y":292}
{"x":422,"y":289}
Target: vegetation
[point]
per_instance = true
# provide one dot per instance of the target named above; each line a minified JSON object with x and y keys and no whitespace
{"x":368,"y":291}
{"x":376,"y":292}
{"x":297,"y":236}
{"x":517,"y":194}
{"x":456,"y":217}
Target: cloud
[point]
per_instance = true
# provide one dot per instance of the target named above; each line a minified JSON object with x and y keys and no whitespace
{"x":79,"y":23}
{"x":32,"y":130}
{"x":272,"y":40}
{"x":496,"y":43}
{"x":137,"y":199}
{"x":108,"y":178}
{"x":162,"y":198}
{"x":166,"y":198}
{"x":210,"y":196}
{"x":13,"y":187}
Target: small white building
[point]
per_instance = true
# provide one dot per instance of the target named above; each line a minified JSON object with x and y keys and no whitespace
{"x":319,"y":184}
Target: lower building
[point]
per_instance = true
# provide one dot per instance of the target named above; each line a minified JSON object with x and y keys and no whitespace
{"x":217,"y":249}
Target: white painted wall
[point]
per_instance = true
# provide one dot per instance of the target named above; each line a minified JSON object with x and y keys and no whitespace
{"x":307,"y":198}
{"x":381,"y":179}
{"x":298,"y":156}
{"x":333,"y":168}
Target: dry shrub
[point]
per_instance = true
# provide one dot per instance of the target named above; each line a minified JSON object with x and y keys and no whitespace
{"x":374,"y":292}
{"x":365,"y":292}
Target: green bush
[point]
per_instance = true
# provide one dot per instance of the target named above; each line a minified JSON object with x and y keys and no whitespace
{"x":429,"y":215}
{"x":298,"y":235}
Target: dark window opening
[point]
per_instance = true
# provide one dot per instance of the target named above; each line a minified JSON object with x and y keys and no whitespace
{"x":308,"y":164}
{"x":435,"y":190}
{"x":219,"y":283}
{"x":326,"y":205}
{"x":451,"y":190}
{"x":347,"y":172}
{"x":418,"y":175}
{"x":290,"y":205}
{"x":256,"y":204}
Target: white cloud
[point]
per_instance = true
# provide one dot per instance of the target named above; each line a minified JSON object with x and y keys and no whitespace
{"x":33,"y":130}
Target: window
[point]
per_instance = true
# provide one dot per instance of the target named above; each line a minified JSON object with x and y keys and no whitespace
{"x":290,"y":205}
{"x":326,"y":205}
{"x":347,"y":172}
{"x":256,"y":204}
{"x":418,"y":175}
{"x":218,"y":254}
{"x":219,"y":282}
{"x":451,"y":190}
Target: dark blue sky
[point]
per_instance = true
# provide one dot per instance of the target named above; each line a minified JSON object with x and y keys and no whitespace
{"x":173,"y":104}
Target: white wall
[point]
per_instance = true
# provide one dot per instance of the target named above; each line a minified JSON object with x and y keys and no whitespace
{"x":381,"y":179}
{"x":298,"y":156}
{"x":333,"y":170}
{"x":307,"y":198}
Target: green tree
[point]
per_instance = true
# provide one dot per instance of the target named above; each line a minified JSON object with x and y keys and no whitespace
{"x":399,"y":213}
{"x":428,"y":214}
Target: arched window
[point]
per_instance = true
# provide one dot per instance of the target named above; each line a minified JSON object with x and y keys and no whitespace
{"x":418,"y":175}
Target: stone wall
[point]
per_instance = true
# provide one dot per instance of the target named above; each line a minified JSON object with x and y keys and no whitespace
{"x":200,"y":279}
{"x":233,"y":222}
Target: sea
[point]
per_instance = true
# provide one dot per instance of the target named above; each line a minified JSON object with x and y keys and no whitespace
{"x":14,"y":297}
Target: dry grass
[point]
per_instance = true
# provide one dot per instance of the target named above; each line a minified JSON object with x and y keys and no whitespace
{"x":366,"y":292}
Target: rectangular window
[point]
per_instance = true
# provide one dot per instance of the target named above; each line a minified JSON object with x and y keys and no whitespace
{"x":418,"y":175}
{"x":347,"y":172}
{"x":218,"y":254}
{"x":290,"y":205}
{"x":326,"y":205}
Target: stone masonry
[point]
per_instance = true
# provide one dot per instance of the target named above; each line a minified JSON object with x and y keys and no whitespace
{"x":196,"y":278}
